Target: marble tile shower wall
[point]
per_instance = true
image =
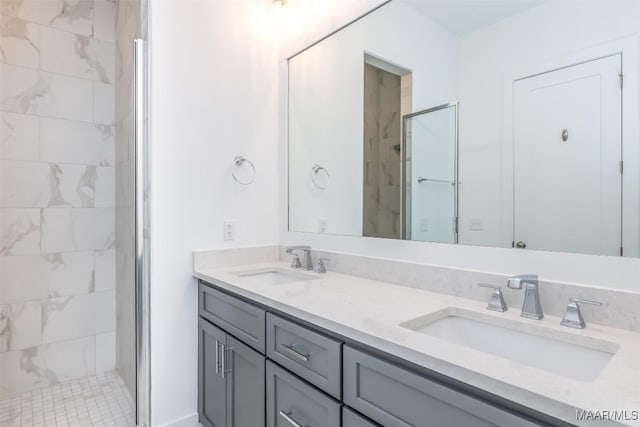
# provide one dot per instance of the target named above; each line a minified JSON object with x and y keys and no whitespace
{"x":57,"y":191}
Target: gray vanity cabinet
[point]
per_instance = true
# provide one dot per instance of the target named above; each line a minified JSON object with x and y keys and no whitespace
{"x":395,"y":397}
{"x":243,"y":320}
{"x":212,"y":388}
{"x":292,"y":402}
{"x":309,"y":354}
{"x":231,"y":380}
{"x":351,"y":418}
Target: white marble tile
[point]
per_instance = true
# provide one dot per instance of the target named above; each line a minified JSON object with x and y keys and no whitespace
{"x":75,"y":16}
{"x":19,"y":231}
{"x":69,"y":141}
{"x":19,"y":136}
{"x":20,"y":326}
{"x":105,"y":352}
{"x":67,"y":274}
{"x":27,"y":91}
{"x":105,"y":187}
{"x":78,"y":316}
{"x":39,"y":184}
{"x":105,"y":274}
{"x":77,"y":229}
{"x":23,"y":278}
{"x":104,"y":104}
{"x":19,"y":42}
{"x":46,"y":365}
{"x":24,"y":184}
{"x":104,"y":20}
{"x":77,"y":56}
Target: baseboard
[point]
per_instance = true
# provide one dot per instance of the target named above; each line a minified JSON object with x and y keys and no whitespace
{"x":188,"y":421}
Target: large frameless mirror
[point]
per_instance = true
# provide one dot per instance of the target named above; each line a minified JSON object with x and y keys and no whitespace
{"x":488,"y":123}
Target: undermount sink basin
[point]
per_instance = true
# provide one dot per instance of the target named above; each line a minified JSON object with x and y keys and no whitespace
{"x":570,"y":355}
{"x":272,"y":276}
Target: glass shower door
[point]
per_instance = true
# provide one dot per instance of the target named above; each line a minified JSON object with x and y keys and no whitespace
{"x":431,"y":175}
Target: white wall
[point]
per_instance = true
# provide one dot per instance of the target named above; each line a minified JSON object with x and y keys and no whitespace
{"x":214,"y":75}
{"x":214,"y":81}
{"x":326,"y":99}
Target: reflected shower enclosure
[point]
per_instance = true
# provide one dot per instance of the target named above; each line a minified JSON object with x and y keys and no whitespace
{"x":430,"y":163}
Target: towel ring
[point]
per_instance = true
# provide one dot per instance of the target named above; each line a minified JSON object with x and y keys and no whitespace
{"x":237,"y":163}
{"x":320,"y":170}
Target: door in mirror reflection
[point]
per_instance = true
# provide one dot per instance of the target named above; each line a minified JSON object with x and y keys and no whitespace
{"x":431,"y":183}
{"x":568,"y":151}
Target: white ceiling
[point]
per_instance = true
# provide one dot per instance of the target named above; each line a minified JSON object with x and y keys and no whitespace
{"x":463,"y":16}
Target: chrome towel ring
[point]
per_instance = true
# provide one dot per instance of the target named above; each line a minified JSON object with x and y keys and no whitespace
{"x":238,"y":162}
{"x":318,"y":172}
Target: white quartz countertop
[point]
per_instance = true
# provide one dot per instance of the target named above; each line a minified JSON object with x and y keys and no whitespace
{"x":370,"y":312}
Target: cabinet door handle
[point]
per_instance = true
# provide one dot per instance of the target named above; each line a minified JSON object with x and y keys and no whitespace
{"x":224,"y":371}
{"x":287,"y":416}
{"x":291,"y":351}
{"x":217,"y":357}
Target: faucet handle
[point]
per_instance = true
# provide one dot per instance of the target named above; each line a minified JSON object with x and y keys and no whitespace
{"x":321,"y":265}
{"x":295,"y":262}
{"x":573,"y":316}
{"x":516,"y":282}
{"x":496,"y":300}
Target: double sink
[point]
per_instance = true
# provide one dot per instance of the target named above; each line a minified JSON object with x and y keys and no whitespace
{"x":571,"y":355}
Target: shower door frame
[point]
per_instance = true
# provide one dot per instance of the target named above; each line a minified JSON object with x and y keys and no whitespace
{"x":406,"y":177}
{"x":142,"y":233}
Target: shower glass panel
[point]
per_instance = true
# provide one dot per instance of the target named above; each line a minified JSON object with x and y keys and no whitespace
{"x":72,"y":115}
{"x":431,"y":174}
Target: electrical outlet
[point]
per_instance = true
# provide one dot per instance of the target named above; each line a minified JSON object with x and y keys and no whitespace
{"x":229,"y":231}
{"x":475,"y":224}
{"x":323,"y":225}
{"x":424,"y":225}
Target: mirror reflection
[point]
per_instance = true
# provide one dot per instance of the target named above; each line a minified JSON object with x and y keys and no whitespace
{"x":491,"y":123}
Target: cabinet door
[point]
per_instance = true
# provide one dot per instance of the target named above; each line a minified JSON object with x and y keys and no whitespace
{"x":212,"y":395}
{"x":246,"y":384}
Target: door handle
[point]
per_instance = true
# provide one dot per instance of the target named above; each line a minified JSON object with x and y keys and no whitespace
{"x":287,"y":416}
{"x":217,"y":357}
{"x":291,"y":351}
{"x":224,"y":371}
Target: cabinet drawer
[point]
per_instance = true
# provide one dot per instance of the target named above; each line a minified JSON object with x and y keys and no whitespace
{"x":353,"y":419}
{"x":242,"y":320}
{"x":309,"y":354}
{"x":290,"y":400}
{"x":395,"y":397}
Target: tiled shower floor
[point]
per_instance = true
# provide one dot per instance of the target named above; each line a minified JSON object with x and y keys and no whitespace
{"x":87,"y":402}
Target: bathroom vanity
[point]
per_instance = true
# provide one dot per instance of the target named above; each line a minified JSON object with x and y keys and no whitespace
{"x":281,"y":347}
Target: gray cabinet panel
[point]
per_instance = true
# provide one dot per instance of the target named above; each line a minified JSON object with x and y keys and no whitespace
{"x":212,"y":396}
{"x":290,"y":400}
{"x":353,"y":419}
{"x":244,"y":321}
{"x":395,"y":397}
{"x":246,"y":387}
{"x":309,"y":354}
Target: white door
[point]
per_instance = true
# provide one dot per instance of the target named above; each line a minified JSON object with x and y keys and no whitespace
{"x":567,"y":153}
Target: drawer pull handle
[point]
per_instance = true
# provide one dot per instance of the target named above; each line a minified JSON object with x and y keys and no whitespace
{"x":288,"y":349}
{"x":287,"y":416}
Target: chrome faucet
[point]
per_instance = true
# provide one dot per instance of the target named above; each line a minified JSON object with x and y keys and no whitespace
{"x":307,"y":264}
{"x":531,"y":308}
